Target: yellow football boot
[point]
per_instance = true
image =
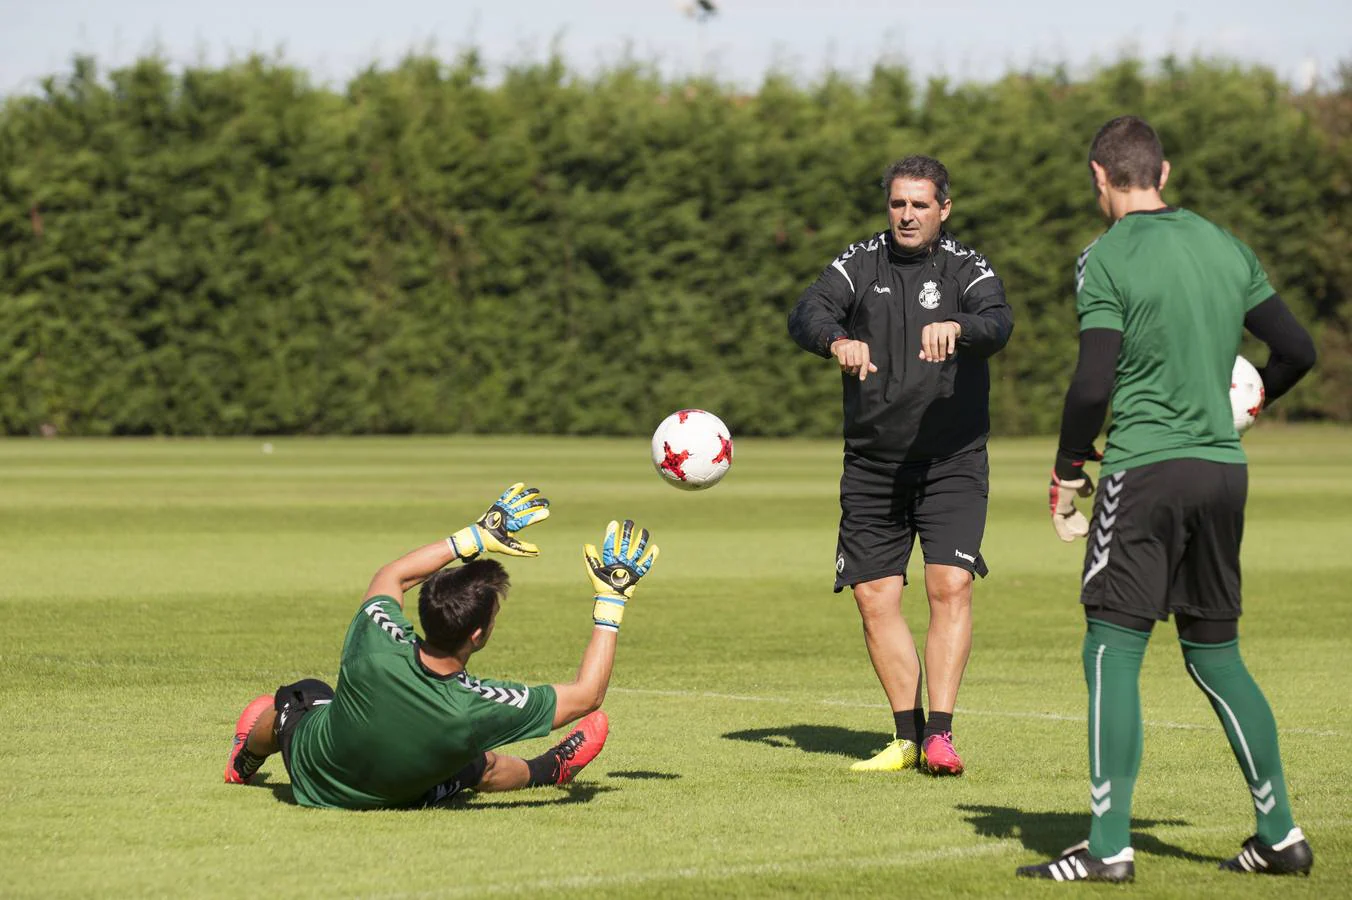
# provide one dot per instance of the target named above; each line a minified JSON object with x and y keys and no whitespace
{"x":896,"y":756}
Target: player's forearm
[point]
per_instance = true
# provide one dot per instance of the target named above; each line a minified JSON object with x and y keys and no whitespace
{"x":1088,"y":396}
{"x":1290,"y":347}
{"x":598,"y":661}
{"x":413,"y":568}
{"x":587,"y":692}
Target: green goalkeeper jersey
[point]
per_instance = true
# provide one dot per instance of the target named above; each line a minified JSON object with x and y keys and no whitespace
{"x":394,"y":729}
{"x":1178,"y":288}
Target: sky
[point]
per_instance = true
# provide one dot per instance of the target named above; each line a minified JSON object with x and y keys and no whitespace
{"x":964,"y":40}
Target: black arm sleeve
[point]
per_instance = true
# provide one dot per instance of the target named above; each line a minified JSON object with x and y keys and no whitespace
{"x":1087,"y":398}
{"x":821,"y":312}
{"x":986,"y":322}
{"x":1290,"y":349}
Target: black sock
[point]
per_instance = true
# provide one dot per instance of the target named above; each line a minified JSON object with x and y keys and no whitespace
{"x":909,"y":723}
{"x":246,"y":763}
{"x":544,"y":769}
{"x":938,"y":723}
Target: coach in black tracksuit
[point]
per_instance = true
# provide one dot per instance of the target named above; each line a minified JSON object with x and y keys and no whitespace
{"x":911,"y":315}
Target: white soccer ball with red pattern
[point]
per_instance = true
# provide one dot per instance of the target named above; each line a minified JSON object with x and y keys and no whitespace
{"x":692,"y":449}
{"x":1246,"y":394}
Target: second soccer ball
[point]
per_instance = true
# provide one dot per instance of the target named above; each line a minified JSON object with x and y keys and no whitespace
{"x":692,"y":449}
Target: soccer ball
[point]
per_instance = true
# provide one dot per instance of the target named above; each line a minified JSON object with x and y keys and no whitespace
{"x":692,"y":449}
{"x":1246,"y":394}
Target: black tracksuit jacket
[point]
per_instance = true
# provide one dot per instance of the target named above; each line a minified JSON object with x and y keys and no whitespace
{"x":909,"y":410}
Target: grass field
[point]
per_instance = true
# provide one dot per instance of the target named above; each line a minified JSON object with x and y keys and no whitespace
{"x":150,"y":588}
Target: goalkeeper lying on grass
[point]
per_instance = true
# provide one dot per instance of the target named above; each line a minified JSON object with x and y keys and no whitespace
{"x":408,"y":726}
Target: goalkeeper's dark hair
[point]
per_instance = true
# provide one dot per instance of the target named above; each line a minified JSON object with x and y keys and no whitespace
{"x":926,"y":167}
{"x":1130,"y":152}
{"x":456,"y":601}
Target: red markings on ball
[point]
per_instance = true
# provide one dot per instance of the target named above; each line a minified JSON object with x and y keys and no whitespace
{"x":672,"y":462}
{"x":725,"y":451}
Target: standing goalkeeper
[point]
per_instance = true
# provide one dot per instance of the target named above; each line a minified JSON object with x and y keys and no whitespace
{"x":408,"y":726}
{"x":1164,"y":297}
{"x":911,"y":316}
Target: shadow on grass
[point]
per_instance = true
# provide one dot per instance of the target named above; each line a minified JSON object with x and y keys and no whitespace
{"x":1048,"y":833}
{"x":281,"y":790}
{"x":830,"y":739}
{"x":560,"y":796}
{"x":641,"y":775}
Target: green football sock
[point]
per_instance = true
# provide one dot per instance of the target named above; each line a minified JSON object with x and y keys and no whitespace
{"x":1112,"y":669}
{"x":1244,"y":713}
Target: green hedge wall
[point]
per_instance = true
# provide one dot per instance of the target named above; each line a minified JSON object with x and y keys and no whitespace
{"x":238,"y":250}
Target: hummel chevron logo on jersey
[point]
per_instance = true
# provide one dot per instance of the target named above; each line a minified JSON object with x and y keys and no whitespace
{"x":1080,"y":265}
{"x":983,"y":268}
{"x":868,"y":246}
{"x":881,"y":289}
{"x":510,"y":696}
{"x":387,"y":625}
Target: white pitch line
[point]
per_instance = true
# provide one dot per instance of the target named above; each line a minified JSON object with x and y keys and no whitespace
{"x":713,"y":873}
{"x":852,"y":704}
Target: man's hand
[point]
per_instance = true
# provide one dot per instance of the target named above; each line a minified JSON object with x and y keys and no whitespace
{"x":518,"y":507}
{"x":853,"y":357}
{"x":939,"y":341}
{"x":625,"y":557}
{"x":1068,"y":521}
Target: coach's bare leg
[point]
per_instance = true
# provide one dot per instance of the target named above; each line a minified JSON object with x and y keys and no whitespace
{"x":889,"y":641}
{"x":949,"y":641}
{"x":504,"y":773}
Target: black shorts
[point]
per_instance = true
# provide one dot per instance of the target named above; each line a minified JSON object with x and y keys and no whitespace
{"x":293,"y":703}
{"x":885,"y":506}
{"x":1165,"y":539}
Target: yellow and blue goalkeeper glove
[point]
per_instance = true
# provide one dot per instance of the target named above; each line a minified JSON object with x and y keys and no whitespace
{"x":518,"y":507}
{"x":625,"y":557}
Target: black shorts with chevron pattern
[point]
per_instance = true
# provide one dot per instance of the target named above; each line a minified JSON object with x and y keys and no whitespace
{"x":1165,"y":539}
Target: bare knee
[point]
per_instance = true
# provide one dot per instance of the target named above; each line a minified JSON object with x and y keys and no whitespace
{"x":879,"y":602}
{"x":948,"y":587}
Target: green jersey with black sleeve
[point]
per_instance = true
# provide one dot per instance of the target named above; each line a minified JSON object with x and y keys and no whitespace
{"x":1177,"y":287}
{"x":395,"y":729}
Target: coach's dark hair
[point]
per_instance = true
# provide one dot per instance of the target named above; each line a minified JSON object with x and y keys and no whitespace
{"x":454,"y":602}
{"x":1130,"y":152}
{"x":926,"y":167}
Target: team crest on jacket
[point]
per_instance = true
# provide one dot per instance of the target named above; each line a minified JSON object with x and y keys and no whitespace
{"x":929,"y":295}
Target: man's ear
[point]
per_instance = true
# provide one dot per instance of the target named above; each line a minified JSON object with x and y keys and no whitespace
{"x":477,"y":638}
{"x":1100,"y":176}
{"x":945,"y":210}
{"x":1164,"y":174}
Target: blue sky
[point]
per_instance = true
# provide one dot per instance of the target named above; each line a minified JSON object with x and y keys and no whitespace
{"x":962,"y":39}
